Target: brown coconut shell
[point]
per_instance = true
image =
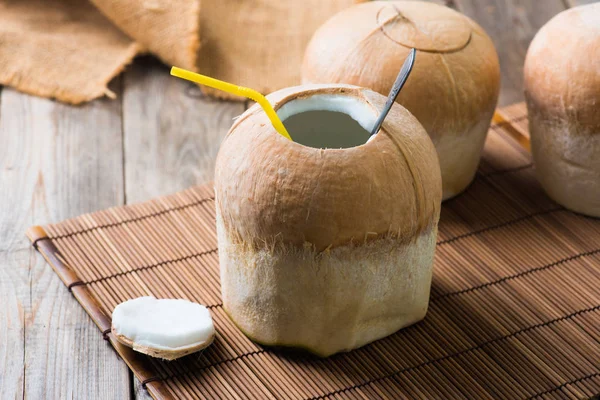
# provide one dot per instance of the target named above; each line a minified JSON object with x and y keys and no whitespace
{"x":259,"y":43}
{"x":326,"y":249}
{"x":169,"y":29}
{"x":562,"y":88}
{"x":165,"y":354}
{"x":453,"y":87}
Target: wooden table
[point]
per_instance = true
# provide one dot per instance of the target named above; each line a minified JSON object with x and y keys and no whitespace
{"x":160,"y":136}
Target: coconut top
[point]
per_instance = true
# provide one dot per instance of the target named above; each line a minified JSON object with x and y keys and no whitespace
{"x":164,"y":324}
{"x":562,"y":68}
{"x":456,"y":77}
{"x":424,"y":26}
{"x":270,"y":189}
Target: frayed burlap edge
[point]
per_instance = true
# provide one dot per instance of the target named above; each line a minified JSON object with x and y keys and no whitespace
{"x":64,"y":94}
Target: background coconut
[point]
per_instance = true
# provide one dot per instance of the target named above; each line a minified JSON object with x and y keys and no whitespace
{"x":326,"y":249}
{"x":454,"y":85}
{"x":562,"y":88}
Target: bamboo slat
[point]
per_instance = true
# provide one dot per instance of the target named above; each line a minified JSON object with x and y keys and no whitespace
{"x":514,"y":312}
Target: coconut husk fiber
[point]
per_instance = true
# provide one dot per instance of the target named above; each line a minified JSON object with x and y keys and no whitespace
{"x":70,"y":49}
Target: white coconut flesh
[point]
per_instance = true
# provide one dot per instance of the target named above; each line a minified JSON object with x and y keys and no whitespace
{"x":163,"y":324}
{"x":328,"y":121}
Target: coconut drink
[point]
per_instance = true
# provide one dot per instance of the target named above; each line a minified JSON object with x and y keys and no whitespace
{"x":326,"y":241}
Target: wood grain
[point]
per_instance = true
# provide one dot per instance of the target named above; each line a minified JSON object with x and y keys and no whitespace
{"x":512,"y":25}
{"x":66,"y":356}
{"x":58,"y":161}
{"x":15,"y":301}
{"x":172,"y":132}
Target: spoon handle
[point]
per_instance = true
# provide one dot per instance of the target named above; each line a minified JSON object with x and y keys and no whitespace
{"x":400,"y":80}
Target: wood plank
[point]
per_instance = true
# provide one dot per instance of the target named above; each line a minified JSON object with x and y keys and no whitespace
{"x":15,"y":301}
{"x":172,"y":135}
{"x":58,"y":161}
{"x":172,"y":131}
{"x":66,"y":356}
{"x":512,"y":25}
{"x":14,"y":287}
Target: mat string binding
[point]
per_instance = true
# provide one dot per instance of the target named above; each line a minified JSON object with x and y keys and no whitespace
{"x":147,"y":381}
{"x":71,"y":285}
{"x":35,"y":242}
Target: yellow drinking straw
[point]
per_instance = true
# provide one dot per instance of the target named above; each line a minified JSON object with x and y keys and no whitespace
{"x":237,"y":90}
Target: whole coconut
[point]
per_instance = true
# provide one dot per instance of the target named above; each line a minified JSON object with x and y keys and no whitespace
{"x":562,"y":88}
{"x":326,"y":249}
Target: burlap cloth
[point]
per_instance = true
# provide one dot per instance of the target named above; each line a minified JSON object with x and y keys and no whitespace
{"x":71,"y":49}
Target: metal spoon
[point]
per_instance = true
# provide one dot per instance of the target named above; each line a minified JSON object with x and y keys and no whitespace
{"x":400,"y":80}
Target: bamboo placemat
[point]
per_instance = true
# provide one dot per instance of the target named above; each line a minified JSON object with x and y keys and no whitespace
{"x":514,"y":312}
